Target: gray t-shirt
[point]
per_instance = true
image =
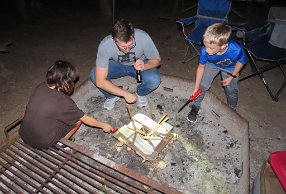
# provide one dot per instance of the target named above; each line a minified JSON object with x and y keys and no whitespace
{"x":145,"y":49}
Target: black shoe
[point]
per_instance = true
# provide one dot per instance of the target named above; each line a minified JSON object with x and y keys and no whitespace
{"x":192,"y":116}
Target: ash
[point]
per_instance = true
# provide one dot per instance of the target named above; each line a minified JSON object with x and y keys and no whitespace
{"x":204,"y":158}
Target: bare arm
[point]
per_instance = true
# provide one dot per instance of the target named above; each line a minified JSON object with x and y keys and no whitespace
{"x":103,"y":83}
{"x":237,"y":68}
{"x":235,"y":72}
{"x":95,"y":123}
{"x":199,"y":75}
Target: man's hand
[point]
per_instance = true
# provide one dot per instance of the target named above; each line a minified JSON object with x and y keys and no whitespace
{"x":139,"y":65}
{"x":226,"y":82}
{"x":130,"y":98}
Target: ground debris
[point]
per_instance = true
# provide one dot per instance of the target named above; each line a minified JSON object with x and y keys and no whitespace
{"x":201,"y":158}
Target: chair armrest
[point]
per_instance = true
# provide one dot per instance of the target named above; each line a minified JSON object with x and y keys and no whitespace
{"x":187,"y":21}
{"x":252,"y":31}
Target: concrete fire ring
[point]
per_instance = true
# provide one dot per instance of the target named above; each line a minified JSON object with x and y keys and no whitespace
{"x":212,"y":107}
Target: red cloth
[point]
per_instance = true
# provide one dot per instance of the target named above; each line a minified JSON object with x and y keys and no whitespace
{"x":277,"y":160}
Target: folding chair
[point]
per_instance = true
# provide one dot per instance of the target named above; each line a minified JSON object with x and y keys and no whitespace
{"x":208,"y":13}
{"x":258,"y":43}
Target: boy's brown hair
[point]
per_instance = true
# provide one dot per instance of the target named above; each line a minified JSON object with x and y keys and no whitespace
{"x":63,"y":76}
{"x":217,"y":34}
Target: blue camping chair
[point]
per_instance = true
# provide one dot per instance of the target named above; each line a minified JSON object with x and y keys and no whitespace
{"x":266,"y":42}
{"x":208,"y":13}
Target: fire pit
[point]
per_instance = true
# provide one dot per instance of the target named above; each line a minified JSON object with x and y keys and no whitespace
{"x":210,"y":156}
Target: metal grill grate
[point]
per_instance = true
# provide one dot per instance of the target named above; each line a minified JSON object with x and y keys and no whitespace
{"x":73,"y":169}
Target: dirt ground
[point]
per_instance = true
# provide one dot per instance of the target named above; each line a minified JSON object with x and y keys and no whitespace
{"x":72,"y":30}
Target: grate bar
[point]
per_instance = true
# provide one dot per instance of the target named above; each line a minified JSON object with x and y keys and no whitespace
{"x":87,"y":171}
{"x":99,"y":172}
{"x":19,"y":176}
{"x":110,"y":176}
{"x":4,"y":190}
{"x":9,"y":185}
{"x":37,"y":164}
{"x":20,"y":184}
{"x":67,"y":186}
{"x":73,"y":170}
{"x":33,"y":169}
{"x":25,"y":172}
{"x":81,"y":177}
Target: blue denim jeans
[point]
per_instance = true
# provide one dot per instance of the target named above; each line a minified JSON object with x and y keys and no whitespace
{"x":151,"y":78}
{"x":231,"y":90}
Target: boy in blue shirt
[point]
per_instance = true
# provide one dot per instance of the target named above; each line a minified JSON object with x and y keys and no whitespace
{"x":218,"y":55}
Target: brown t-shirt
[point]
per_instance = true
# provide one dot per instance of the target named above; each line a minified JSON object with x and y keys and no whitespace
{"x":49,"y":116}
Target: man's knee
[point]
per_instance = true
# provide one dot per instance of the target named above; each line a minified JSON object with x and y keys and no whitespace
{"x":153,"y":81}
{"x":92,"y":75}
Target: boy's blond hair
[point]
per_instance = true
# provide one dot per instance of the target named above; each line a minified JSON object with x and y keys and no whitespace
{"x":217,"y":34}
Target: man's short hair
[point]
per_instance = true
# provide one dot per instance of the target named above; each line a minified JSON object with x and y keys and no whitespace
{"x":63,"y":76}
{"x":122,"y":30}
{"x":217,"y":34}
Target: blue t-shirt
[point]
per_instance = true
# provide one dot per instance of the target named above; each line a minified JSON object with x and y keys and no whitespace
{"x":144,"y":49}
{"x":227,"y":60}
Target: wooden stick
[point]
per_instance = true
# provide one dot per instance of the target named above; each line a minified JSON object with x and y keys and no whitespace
{"x":158,"y":126}
{"x":129,"y":113}
{"x":142,"y":124}
{"x":152,"y":138}
{"x":162,"y":118}
{"x":136,"y":130}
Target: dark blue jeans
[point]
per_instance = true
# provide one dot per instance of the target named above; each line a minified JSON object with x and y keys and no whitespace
{"x":151,"y":78}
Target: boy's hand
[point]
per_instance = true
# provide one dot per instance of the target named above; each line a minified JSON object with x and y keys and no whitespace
{"x":194,"y":91}
{"x":107,"y":128}
{"x":226,"y":82}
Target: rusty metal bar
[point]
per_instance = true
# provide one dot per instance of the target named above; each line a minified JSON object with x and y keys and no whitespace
{"x":55,"y":169}
{"x":76,"y":160}
{"x":62,"y":165}
{"x":37,"y":164}
{"x":24,"y":171}
{"x":73,"y":170}
{"x":27,"y":180}
{"x":9,"y":185}
{"x":12,"y":126}
{"x":106,"y":175}
{"x":154,"y":186}
{"x":30,"y":168}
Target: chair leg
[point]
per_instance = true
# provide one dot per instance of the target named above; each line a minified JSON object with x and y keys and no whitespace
{"x":283,"y":85}
{"x":185,"y":57}
{"x":189,"y":50}
{"x":258,"y":72}
{"x":279,"y":91}
{"x":196,"y":50}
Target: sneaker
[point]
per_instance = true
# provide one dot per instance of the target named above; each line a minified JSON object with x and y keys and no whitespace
{"x":110,"y":102}
{"x":192,"y":116}
{"x":142,"y":101}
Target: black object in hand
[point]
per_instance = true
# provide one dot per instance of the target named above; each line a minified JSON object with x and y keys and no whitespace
{"x":138,"y":74}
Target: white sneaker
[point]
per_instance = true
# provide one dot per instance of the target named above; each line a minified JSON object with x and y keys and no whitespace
{"x":110,"y":102}
{"x":142,"y":101}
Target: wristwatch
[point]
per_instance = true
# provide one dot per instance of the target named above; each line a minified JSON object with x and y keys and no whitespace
{"x":234,"y":76}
